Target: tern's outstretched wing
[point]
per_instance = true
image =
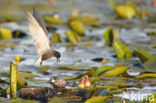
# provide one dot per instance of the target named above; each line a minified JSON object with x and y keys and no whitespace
{"x":40,"y":21}
{"x":41,"y":41}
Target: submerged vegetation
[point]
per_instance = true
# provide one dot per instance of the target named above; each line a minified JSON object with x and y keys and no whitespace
{"x":103,"y":58}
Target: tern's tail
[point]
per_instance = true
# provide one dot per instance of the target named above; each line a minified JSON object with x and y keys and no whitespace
{"x":37,"y":61}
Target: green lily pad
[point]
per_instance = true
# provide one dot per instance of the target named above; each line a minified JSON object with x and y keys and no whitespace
{"x":57,"y":100}
{"x":143,"y":55}
{"x":23,"y":101}
{"x":147,"y":75}
{"x":116,"y":71}
{"x":43,"y":68}
{"x":27,"y":74}
{"x":55,"y":38}
{"x":150,"y":65}
{"x":53,"y":20}
{"x":71,"y":67}
{"x":99,"y":99}
{"x":108,"y":36}
{"x":5,"y":34}
{"x":102,"y":69}
{"x":72,"y":36}
{"x":78,"y":27}
{"x":125,"y":11}
{"x":121,"y":50}
{"x":83,"y":19}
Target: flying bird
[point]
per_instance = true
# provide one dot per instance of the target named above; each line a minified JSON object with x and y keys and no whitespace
{"x":40,"y":35}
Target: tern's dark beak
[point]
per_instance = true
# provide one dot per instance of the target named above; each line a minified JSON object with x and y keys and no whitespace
{"x":48,"y":81}
{"x":58,"y":60}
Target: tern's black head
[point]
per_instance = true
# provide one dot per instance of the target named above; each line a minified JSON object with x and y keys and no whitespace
{"x":57,"y":55}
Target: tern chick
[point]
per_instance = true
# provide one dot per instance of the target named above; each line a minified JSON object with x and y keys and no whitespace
{"x":58,"y":82}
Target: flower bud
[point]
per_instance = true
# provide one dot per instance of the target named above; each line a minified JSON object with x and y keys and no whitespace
{"x":87,"y":82}
{"x":81,"y":83}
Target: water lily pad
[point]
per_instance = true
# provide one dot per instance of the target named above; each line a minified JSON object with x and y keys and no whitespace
{"x":55,"y":38}
{"x":108,"y":36}
{"x":125,"y":11}
{"x":71,"y":67}
{"x":121,"y":50}
{"x":20,"y":81}
{"x":5,"y":34}
{"x":72,"y":36}
{"x":150,"y":65}
{"x":23,"y":101}
{"x":43,"y":68}
{"x":10,"y":19}
{"x":8,"y":44}
{"x":147,"y":75}
{"x":27,"y":74}
{"x":84,"y":19}
{"x":78,"y":27}
{"x":143,"y":55}
{"x":53,"y":20}
{"x":57,"y":100}
{"x":98,"y":99}
{"x":89,"y":73}
{"x":102,"y":69}
{"x":116,"y":71}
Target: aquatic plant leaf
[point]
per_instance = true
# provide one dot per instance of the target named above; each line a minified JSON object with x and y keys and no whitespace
{"x":43,"y":68}
{"x":108,"y":36}
{"x":125,"y":11}
{"x":143,"y":55}
{"x":10,"y":19}
{"x":27,"y":74}
{"x":147,"y":75}
{"x":83,"y":19}
{"x":121,"y":50}
{"x":116,"y":33}
{"x":23,"y":101}
{"x":72,"y":36}
{"x":53,"y":20}
{"x":102,"y":69}
{"x":92,"y":24}
{"x":153,"y":46}
{"x":13,"y":80}
{"x":89,"y":73}
{"x":98,"y":99}
{"x":57,"y":100}
{"x":5,"y":34}
{"x":126,"y":50}
{"x":20,"y":81}
{"x":8,"y":44}
{"x":55,"y":38}
{"x":72,"y":67}
{"x":118,"y":50}
{"x":150,"y":65}
{"x":78,"y":27}
{"x":116,"y":71}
